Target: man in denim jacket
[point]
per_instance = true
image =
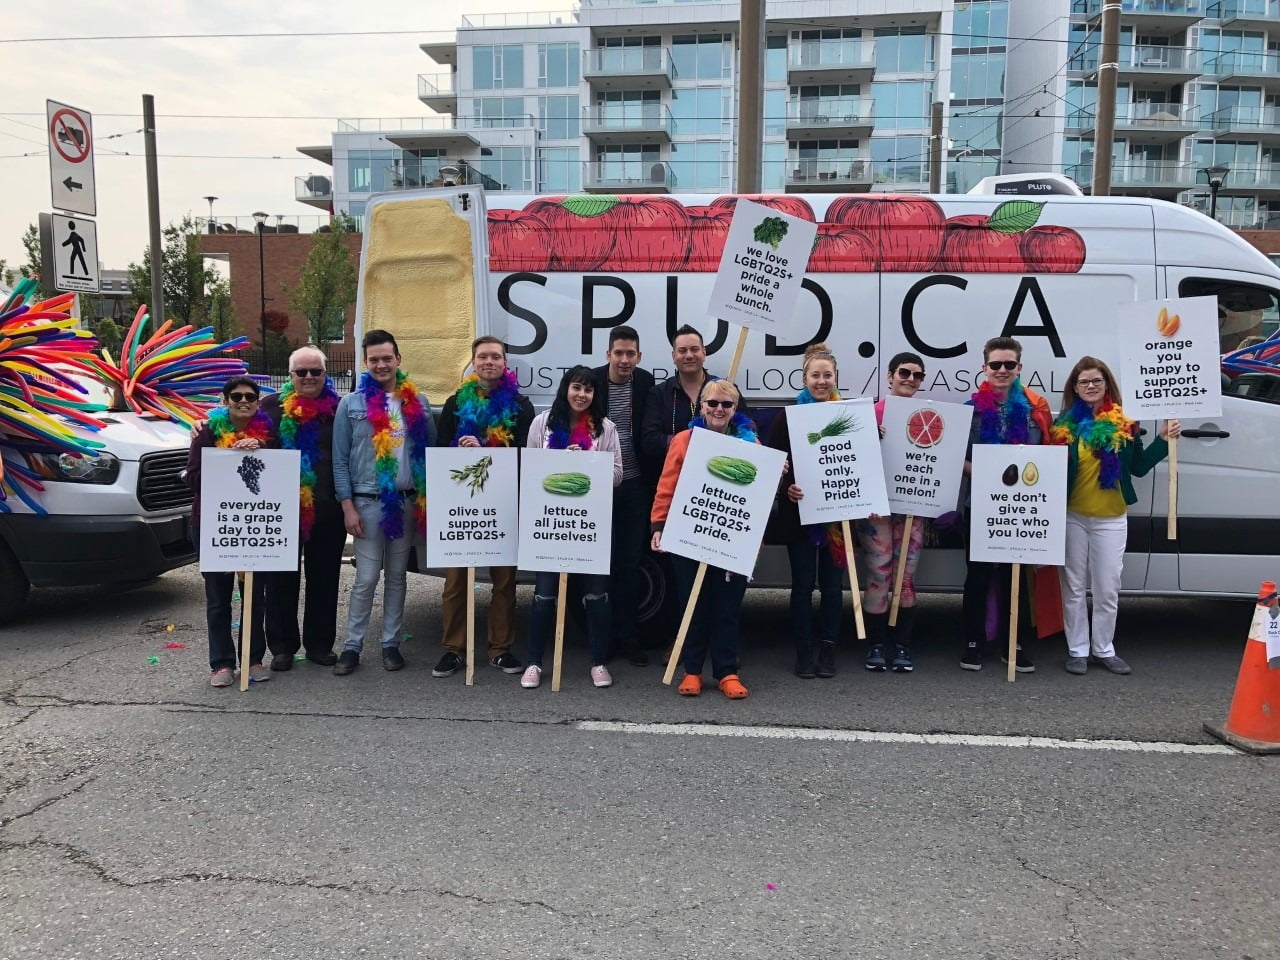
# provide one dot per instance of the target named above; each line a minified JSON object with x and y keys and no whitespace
{"x":380,"y":435}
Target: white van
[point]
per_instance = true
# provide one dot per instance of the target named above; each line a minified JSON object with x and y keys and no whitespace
{"x":888,"y":273}
{"x":121,"y":518}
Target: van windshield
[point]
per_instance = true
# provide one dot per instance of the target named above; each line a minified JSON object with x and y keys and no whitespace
{"x":1245,"y":310}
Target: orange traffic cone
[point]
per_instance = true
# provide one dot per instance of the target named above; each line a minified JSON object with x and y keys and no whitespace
{"x":1253,"y":724}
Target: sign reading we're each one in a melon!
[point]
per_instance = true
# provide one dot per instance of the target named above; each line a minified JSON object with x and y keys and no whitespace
{"x":924,"y":447}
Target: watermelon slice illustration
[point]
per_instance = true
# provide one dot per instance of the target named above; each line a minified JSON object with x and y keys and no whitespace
{"x":924,"y":427}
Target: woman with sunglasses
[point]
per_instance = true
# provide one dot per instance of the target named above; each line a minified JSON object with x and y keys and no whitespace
{"x":239,"y":424}
{"x":576,"y":421}
{"x":1104,"y":454}
{"x":715,"y":619}
{"x":881,"y":542}
{"x":816,"y":552}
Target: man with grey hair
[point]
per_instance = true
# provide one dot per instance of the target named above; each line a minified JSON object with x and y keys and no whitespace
{"x":302,"y":413}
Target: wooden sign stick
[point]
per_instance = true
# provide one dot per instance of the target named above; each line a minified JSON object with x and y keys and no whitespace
{"x":854,"y":588}
{"x":1173,"y":488}
{"x":902,"y":567}
{"x":684,"y":624}
{"x":559,"y":648}
{"x":1014,"y":593}
{"x":246,"y":629}
{"x":471,"y":626}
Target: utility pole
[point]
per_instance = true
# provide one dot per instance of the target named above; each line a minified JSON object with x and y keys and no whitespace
{"x":935,"y":148}
{"x":1105,"y":127}
{"x":156,"y":306}
{"x":750,"y":95}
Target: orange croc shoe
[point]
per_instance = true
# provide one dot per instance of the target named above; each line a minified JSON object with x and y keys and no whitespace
{"x":732,"y":687}
{"x":690,"y":686}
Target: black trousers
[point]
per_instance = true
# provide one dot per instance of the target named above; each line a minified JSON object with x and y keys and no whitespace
{"x":322,"y":562}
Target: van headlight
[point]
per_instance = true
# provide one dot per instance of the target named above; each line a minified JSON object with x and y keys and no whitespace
{"x":66,"y":467}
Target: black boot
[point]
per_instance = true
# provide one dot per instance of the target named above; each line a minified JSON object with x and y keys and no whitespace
{"x":900,"y":634}
{"x":877,"y":625}
{"x":826,"y":659}
{"x":804,"y":658}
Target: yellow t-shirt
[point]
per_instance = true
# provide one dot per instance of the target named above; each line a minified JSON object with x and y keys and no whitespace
{"x":1087,"y":497}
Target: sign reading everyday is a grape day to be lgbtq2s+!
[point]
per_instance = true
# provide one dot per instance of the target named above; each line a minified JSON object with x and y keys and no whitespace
{"x":835,"y":454}
{"x":248,"y":510}
{"x":473,"y":517}
{"x":924,"y":446}
{"x":566,"y":510}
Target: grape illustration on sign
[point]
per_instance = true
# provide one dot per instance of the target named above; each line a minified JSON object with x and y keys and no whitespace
{"x":250,"y":469}
{"x":857,"y":234}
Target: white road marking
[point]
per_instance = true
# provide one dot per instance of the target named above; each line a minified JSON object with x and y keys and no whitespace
{"x":873,"y":736}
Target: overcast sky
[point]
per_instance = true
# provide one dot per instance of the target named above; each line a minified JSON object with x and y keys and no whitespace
{"x":207,"y":90}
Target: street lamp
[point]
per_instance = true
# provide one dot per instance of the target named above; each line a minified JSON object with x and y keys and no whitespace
{"x":212,"y":227}
{"x":1215,"y":175}
{"x":261,"y":219}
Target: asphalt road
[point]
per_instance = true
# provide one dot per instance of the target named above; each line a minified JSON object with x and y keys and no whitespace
{"x":144,"y":814}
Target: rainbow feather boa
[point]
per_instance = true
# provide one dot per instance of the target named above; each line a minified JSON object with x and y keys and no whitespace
{"x":224,"y":431}
{"x":1105,"y":432}
{"x":488,"y":415}
{"x":301,"y":419}
{"x":582,"y":434}
{"x":386,"y":464}
{"x":1005,"y":422}
{"x":739,"y":427}
{"x":829,"y":535}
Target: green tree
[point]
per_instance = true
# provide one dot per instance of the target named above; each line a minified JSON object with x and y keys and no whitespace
{"x":109,"y":336}
{"x":185,"y":276}
{"x":32,"y":268}
{"x":327,"y":284}
{"x":222,"y":312}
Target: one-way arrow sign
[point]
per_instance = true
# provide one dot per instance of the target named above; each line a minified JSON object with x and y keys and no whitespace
{"x":72,"y":185}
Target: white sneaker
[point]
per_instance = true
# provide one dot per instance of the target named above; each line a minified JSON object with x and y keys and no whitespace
{"x":532,"y":677}
{"x":600,"y":677}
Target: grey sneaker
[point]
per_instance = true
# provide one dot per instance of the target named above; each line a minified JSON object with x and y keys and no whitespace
{"x":1114,"y":664}
{"x":259,"y":673}
{"x":1077,"y":665}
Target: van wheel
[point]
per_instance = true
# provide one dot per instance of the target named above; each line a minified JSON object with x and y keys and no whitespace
{"x":13,"y":587}
{"x":655,"y":610}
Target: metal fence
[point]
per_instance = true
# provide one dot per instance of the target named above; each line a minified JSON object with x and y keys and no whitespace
{"x":274,"y":365}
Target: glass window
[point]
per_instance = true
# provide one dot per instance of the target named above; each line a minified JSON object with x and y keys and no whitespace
{"x":902,"y":104}
{"x":977,"y":76}
{"x":499,"y":111}
{"x":775,"y":60}
{"x":482,"y":76}
{"x":559,"y":116}
{"x":627,"y":162}
{"x":699,"y":110}
{"x":964,"y":173}
{"x":559,"y":170}
{"x":504,"y":168}
{"x":382,"y":169}
{"x":497,"y":67}
{"x":903,"y":50}
{"x":900,"y":160}
{"x":358,"y":174}
{"x":979,"y":24}
{"x":512,"y":66}
{"x":355,"y":210}
{"x":702,"y":57}
{"x":976,"y":128}
{"x":775,"y":113}
{"x":700,"y":165}
{"x":558,"y":64}
{"x":774,"y":166}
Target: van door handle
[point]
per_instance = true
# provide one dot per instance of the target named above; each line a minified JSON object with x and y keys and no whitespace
{"x":1206,"y":434}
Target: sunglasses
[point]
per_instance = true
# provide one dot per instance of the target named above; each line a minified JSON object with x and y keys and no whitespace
{"x":727,"y":404}
{"x":308,"y":372}
{"x":242,"y":397}
{"x":1002,"y":364}
{"x":916,"y":375}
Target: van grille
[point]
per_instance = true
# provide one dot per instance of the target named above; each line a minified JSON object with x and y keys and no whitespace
{"x":160,"y":482}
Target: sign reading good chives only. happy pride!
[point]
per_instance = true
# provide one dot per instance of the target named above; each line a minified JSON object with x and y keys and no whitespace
{"x":835,"y":454}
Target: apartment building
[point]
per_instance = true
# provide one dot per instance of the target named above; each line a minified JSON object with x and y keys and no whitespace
{"x":641,"y":96}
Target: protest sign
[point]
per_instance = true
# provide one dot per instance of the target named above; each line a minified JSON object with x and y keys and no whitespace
{"x":472,"y":506}
{"x":835,"y":455}
{"x":1169,"y":358}
{"x":722,"y":501}
{"x":1018,"y":504}
{"x":765,"y":257}
{"x":248,"y":510}
{"x":924,"y":451}
{"x":566,"y":510}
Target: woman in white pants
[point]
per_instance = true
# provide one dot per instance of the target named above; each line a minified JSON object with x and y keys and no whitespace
{"x":1104,"y":454}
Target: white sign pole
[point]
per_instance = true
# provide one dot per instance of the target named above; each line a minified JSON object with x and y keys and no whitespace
{"x":471,"y":626}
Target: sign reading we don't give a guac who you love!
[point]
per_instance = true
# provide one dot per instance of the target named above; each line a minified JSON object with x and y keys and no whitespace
{"x":1018,"y":504}
{"x":248,"y":510}
{"x":835,"y":454}
{"x":566,"y":510}
{"x":472,"y":506}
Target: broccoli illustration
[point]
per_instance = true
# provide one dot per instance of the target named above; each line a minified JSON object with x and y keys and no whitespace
{"x":771,"y":231}
{"x":250,"y":469}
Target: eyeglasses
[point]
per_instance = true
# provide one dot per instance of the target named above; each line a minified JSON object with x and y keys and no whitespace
{"x":1090,"y":383}
{"x":308,"y":372}
{"x":916,"y":375}
{"x":1002,"y":364}
{"x":727,"y":404}
{"x":242,"y":397}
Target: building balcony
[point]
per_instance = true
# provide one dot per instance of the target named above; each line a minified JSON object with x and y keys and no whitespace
{"x":1255,"y":123}
{"x":1141,"y":178}
{"x":443,"y":52}
{"x":831,"y":61}
{"x":1151,"y":122}
{"x":1262,"y":180}
{"x":437,"y":92}
{"x":1246,"y":14}
{"x":828,"y":176}
{"x":830,"y":118}
{"x":628,"y":176}
{"x":315,"y":191}
{"x":1148,"y":16}
{"x":631,"y":122}
{"x":454,"y":134}
{"x":628,"y":68}
{"x":1241,"y":67}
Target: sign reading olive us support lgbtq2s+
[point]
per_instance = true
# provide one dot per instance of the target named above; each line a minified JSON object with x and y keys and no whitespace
{"x":722,"y":501}
{"x":248,"y":510}
{"x":765,"y":257}
{"x":835,"y":454}
{"x":566,"y":510}
{"x":1170,"y":365}
{"x":472,"y":507}
{"x":924,"y":446}
{"x":1019,"y":504}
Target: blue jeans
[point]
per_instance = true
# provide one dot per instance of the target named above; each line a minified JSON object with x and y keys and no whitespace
{"x":374,"y":555}
{"x":223,"y":649}
{"x":714,"y":627}
{"x":812,"y":566}
{"x":542,"y":618}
